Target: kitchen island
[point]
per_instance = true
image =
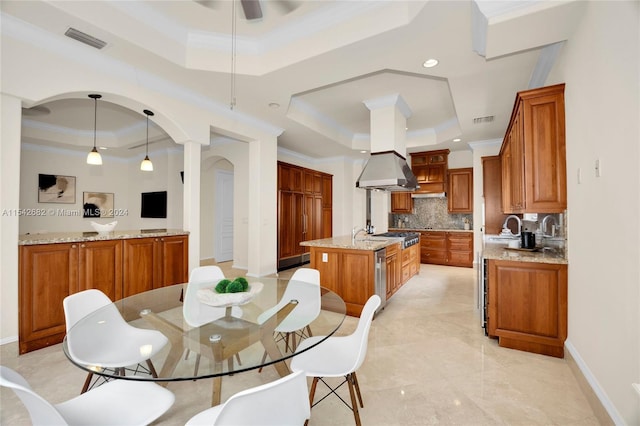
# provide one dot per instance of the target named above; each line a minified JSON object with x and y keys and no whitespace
{"x":526,"y":298}
{"x":352,"y":267}
{"x":120,"y":264}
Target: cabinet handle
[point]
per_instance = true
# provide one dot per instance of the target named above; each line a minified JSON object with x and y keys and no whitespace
{"x":82,"y":245}
{"x":73,"y":246}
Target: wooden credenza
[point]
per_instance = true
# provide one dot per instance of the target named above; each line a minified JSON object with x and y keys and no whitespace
{"x":119,"y":267}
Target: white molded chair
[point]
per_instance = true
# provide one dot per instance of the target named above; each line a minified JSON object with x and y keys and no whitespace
{"x":118,"y":345}
{"x":280,"y":403}
{"x":338,"y":356}
{"x":119,"y":402}
{"x":296,"y":324}
{"x":197,"y":313}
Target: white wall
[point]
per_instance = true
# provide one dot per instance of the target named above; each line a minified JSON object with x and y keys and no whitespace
{"x":122,"y":178}
{"x":600,"y":67}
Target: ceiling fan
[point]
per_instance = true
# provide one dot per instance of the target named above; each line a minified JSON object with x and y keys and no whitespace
{"x":253,"y":9}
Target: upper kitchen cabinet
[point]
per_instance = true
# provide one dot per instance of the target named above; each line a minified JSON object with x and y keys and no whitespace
{"x":460,"y":192}
{"x":491,"y":191}
{"x":430,"y":169}
{"x":533,"y":156}
{"x":401,"y":202}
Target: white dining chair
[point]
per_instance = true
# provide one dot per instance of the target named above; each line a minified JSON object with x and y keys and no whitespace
{"x":117,"y":345}
{"x":196,"y":313}
{"x":279,"y":403}
{"x":337,"y":356}
{"x":296,"y":326}
{"x":119,"y":402}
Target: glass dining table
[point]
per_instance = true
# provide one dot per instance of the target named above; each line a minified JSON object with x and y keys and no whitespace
{"x":243,"y":337}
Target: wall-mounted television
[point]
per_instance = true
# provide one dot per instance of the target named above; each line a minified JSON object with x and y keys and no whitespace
{"x":154,"y":204}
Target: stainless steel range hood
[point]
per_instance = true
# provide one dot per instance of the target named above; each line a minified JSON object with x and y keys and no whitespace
{"x":387,"y":171}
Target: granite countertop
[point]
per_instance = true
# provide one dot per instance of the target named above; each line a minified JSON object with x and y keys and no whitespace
{"x":367,"y":243}
{"x":425,"y":230}
{"x":501,"y":252}
{"x":72,"y":237}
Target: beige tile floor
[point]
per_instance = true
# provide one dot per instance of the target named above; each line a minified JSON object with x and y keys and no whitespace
{"x":428,"y":363}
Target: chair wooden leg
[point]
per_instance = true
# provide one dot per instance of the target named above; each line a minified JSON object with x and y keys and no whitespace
{"x":354,"y":404}
{"x":264,"y":357}
{"x":357,"y":386}
{"x":152,"y":369}
{"x":197,"y":366}
{"x":87,"y":382}
{"x":312,"y":392}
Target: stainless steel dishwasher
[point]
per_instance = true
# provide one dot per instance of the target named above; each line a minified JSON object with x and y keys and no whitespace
{"x":381,"y":276}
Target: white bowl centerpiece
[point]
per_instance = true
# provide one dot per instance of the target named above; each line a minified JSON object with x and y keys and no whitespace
{"x":104,"y":229}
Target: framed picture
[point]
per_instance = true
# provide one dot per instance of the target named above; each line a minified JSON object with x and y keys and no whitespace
{"x":56,"y":189}
{"x":97,"y":204}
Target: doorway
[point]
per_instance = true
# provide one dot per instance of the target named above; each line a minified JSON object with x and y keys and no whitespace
{"x":223,"y":201}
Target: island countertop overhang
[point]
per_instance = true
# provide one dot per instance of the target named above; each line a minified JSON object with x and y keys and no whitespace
{"x":346,"y":242}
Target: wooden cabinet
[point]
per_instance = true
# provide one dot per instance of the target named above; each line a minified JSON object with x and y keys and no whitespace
{"x":533,"y":153}
{"x":304,"y":211}
{"x":410,"y":262}
{"x":50,"y":272}
{"x":492,"y":193}
{"x":430,"y":169}
{"x":401,"y":202}
{"x":460,"y":193}
{"x":447,"y":248}
{"x":527,"y":306}
{"x":154,"y":262}
{"x":349,"y":273}
{"x":394,"y":269}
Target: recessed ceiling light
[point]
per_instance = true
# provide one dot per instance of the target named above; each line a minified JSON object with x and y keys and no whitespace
{"x":457,"y":140}
{"x":274,"y":105}
{"x":430,"y":63}
{"x":364,"y":151}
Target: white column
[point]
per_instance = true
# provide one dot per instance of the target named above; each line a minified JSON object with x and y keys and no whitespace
{"x":262,"y":215}
{"x":191,"y":200}
{"x":11,"y":117}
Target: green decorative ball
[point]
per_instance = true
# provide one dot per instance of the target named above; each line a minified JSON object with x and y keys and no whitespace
{"x":222,"y":286}
{"x":244,"y":282}
{"x":234,"y":287}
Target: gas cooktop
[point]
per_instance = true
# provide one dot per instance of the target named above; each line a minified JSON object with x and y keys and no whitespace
{"x":409,"y":238}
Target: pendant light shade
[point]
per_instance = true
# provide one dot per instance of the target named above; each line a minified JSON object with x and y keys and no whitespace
{"x":94,"y":157}
{"x":147,"y":165}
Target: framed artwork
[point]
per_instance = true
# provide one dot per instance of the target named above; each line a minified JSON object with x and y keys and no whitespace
{"x":97,"y":204}
{"x":56,"y":189}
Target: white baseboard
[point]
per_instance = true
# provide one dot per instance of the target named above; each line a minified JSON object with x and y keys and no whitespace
{"x":593,"y":383}
{"x":9,"y":339}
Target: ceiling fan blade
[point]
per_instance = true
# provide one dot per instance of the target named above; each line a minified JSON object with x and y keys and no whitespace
{"x":252,"y":9}
{"x":286,"y":6}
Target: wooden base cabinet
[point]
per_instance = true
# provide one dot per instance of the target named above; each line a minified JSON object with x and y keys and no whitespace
{"x":394,"y":269}
{"x":447,"y":248}
{"x":50,"y":272}
{"x":527,"y":306}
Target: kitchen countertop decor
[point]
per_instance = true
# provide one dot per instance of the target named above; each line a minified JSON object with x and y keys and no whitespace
{"x":72,"y":237}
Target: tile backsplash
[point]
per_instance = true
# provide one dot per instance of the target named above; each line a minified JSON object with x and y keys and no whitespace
{"x":430,"y":213}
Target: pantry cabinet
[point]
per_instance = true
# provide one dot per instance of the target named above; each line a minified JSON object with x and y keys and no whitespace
{"x":304,"y":211}
{"x":533,"y":153}
{"x":527,"y":305}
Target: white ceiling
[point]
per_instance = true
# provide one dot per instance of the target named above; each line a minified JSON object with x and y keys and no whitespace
{"x":319,"y":60}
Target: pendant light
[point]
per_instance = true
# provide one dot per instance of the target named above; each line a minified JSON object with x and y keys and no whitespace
{"x":94,"y":157}
{"x":147,"y":165}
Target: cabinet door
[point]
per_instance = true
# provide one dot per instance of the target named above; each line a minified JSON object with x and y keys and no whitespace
{"x":492,"y":193}
{"x":433,"y":248}
{"x":100,"y":267}
{"x":528,"y":305}
{"x":391,"y":274}
{"x":290,"y":223}
{"x":327,"y":191}
{"x":401,"y":202}
{"x":517,"y":165}
{"x":358,"y":268}
{"x":175,"y":261}
{"x":544,"y":151}
{"x":505,"y":158}
{"x":328,"y":267}
{"x":460,"y":196}
{"x":48,"y":274}
{"x":141,"y":265}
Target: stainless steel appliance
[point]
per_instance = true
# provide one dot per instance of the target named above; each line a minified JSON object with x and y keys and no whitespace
{"x":408,"y":238}
{"x":381,"y":276}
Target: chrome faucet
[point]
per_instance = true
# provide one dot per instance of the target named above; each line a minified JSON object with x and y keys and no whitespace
{"x":512,"y":216}
{"x":544,"y":224}
{"x":356,"y":231}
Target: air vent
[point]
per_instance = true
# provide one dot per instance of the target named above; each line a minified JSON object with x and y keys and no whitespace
{"x":480,"y":120}
{"x":85,"y":38}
